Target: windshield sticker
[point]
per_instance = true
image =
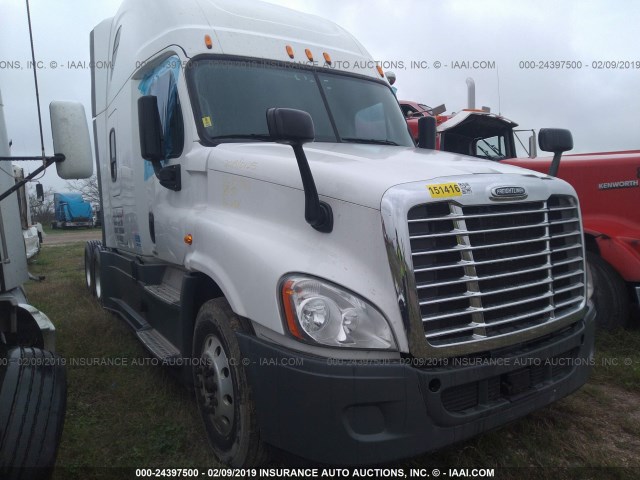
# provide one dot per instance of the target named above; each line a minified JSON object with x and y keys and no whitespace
{"x":623,"y":184}
{"x":206,"y":122}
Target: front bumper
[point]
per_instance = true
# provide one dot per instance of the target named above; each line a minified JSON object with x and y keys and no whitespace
{"x":358,"y":413}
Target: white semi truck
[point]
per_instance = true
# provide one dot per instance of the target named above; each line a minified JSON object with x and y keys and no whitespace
{"x":32,"y":379}
{"x":271,"y":229}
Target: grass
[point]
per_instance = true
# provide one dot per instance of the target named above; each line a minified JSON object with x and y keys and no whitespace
{"x":117,"y":416}
{"x":139,"y":416}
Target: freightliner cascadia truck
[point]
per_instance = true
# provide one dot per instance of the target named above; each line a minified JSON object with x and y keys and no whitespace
{"x":329,"y":289}
{"x":33,"y":389}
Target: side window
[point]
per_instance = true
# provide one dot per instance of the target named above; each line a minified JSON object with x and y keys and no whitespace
{"x":114,"y":52}
{"x":112,"y":155}
{"x":406,"y":110}
{"x":492,"y":148}
{"x":162,"y":82}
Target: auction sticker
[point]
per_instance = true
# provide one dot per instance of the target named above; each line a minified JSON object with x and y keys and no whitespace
{"x":444,"y":190}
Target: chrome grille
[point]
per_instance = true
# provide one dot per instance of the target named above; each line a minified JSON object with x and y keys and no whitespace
{"x":491,"y":270}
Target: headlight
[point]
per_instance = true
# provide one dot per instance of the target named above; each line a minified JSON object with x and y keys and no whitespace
{"x":318,"y":311}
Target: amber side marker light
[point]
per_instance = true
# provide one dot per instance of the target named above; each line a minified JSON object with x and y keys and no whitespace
{"x":287,"y":292}
{"x":380,"y":71}
{"x":208,"y":42}
{"x":327,"y":58}
{"x":290,"y":51}
{"x":188,"y":239}
{"x":309,"y":54}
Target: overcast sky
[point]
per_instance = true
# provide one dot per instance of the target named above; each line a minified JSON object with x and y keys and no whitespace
{"x":600,"y":106}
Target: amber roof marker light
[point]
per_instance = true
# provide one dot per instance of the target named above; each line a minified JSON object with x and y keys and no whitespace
{"x":309,"y":54}
{"x":290,"y":51}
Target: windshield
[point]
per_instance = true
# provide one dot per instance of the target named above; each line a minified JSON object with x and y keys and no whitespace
{"x":232,"y":97}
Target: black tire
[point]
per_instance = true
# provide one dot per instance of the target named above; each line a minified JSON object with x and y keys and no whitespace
{"x":33,"y":398}
{"x":610,"y":295}
{"x":222,"y":390}
{"x":95,"y":271}
{"x":88,"y":266}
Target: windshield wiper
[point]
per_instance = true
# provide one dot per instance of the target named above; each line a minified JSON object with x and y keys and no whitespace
{"x":250,"y":136}
{"x":373,"y":141}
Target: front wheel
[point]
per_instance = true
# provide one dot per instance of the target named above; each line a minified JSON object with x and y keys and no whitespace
{"x":222,"y":390}
{"x":610,"y":295}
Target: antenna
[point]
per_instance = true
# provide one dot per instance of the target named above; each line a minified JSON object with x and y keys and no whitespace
{"x":35,"y":79}
{"x":499,"y":103}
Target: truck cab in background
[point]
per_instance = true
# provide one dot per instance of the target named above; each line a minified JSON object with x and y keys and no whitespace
{"x":32,"y":380}
{"x":271,"y":230}
{"x":32,"y":233}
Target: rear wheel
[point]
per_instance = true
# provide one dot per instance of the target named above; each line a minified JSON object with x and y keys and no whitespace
{"x":610,"y":295}
{"x":95,"y":272}
{"x":33,"y":397}
{"x":222,"y":389}
{"x":88,"y":266}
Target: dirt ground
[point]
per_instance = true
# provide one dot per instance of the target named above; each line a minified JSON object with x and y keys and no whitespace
{"x":65,"y":237}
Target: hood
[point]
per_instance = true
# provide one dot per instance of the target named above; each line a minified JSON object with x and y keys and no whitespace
{"x":354,"y":173}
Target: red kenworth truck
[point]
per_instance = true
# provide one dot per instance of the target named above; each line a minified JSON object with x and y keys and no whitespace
{"x":607,"y":183}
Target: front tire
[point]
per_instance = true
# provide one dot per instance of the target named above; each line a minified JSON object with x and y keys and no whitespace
{"x":610,"y":295}
{"x":222,"y":390}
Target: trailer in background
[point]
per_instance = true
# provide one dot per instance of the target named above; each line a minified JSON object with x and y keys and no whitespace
{"x":72,"y":211}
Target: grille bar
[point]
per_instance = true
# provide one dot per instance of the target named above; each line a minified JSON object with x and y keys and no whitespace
{"x":466,"y":217}
{"x":495,"y":245}
{"x":469,"y":278}
{"x":462,"y":232}
{"x":485,"y":293}
{"x":487,"y":309}
{"x":489,"y":270}
{"x":506,"y":321}
{"x":466,"y":263}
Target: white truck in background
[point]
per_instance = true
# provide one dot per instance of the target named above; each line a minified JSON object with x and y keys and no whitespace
{"x":32,"y":380}
{"x":271,"y":230}
{"x":32,"y":232}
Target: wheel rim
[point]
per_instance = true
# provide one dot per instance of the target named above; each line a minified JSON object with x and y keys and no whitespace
{"x":216,"y":385}
{"x":87,"y":270}
{"x":96,"y":279}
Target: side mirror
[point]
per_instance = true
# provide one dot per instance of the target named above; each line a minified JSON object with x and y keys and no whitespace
{"x":295,"y":128}
{"x":558,"y":141}
{"x":438,"y":110}
{"x":152,"y":143}
{"x":150,"y":128}
{"x":39,"y":192}
{"x":427,"y":133}
{"x":71,"y":138}
{"x":391,"y":77}
{"x":290,"y":126}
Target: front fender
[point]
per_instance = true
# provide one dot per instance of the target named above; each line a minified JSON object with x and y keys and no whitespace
{"x":618,"y":243}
